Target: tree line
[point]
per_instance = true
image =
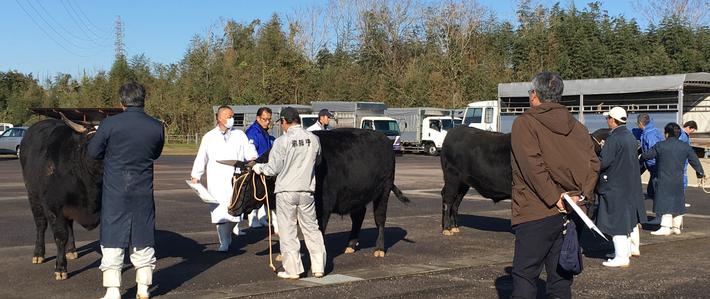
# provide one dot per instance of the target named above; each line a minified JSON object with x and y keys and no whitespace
{"x":403,"y":53}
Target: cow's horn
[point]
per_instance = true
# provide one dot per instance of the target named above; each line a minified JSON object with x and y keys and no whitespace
{"x":76,"y":127}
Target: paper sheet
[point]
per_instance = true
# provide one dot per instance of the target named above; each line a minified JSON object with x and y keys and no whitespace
{"x":583,"y":216}
{"x":202,"y":192}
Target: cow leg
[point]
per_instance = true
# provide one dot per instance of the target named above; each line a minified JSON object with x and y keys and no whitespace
{"x":41,"y":224}
{"x":71,"y":245}
{"x":357,"y":217}
{"x":448,"y":197}
{"x":59,"y":228}
{"x":379,"y":207}
{"x":462,"y":190}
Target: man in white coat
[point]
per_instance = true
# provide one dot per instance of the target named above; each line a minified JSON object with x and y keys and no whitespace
{"x":222,"y":143}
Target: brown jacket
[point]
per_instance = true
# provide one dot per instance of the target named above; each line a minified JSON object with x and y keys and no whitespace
{"x":551,"y":153}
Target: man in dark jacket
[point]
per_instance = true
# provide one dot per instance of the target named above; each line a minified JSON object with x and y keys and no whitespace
{"x":128,"y":143}
{"x":670,"y":156}
{"x":258,"y":134}
{"x":551,"y":154}
{"x":620,"y":193}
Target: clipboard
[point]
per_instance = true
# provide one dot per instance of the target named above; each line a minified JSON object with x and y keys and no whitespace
{"x":202,"y":192}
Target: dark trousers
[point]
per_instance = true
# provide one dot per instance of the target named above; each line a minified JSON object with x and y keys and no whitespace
{"x":536,"y":243}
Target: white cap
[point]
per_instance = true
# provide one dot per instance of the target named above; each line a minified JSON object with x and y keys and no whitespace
{"x":617,"y":113}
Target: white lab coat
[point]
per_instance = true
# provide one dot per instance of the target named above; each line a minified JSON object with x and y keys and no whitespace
{"x":217,"y":146}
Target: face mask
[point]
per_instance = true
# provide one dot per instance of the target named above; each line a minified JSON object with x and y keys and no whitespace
{"x":230,"y":123}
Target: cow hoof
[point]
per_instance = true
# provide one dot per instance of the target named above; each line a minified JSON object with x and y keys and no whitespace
{"x":72,"y":255}
{"x":455,"y":230}
{"x":60,"y":275}
{"x":279,"y":258}
{"x":447,"y":232}
{"x":37,"y":260}
{"x":349,"y":250}
{"x":379,"y":253}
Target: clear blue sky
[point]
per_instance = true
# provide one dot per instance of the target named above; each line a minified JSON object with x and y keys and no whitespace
{"x":46,"y":37}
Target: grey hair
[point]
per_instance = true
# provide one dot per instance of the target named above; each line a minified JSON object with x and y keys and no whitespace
{"x":643,"y":119}
{"x":132,"y":95}
{"x":548,"y":86}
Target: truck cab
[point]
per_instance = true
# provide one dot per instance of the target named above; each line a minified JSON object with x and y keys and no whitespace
{"x":434,"y":129}
{"x":386,"y":125}
{"x":482,"y":115}
{"x":308,"y":120}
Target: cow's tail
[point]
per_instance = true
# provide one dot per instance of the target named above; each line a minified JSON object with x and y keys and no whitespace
{"x":399,"y":194}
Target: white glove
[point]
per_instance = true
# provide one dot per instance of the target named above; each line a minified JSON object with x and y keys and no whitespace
{"x":257,"y":168}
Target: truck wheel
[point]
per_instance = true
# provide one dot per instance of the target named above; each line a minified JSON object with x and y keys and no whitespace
{"x":430,"y":149}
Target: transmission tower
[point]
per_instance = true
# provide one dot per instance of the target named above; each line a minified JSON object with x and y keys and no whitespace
{"x":119,"y":38}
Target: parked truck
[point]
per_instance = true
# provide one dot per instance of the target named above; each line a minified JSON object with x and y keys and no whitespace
{"x":423,"y":129}
{"x":364,"y":115}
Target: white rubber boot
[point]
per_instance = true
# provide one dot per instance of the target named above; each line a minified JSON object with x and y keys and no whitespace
{"x":253,"y":219}
{"x":666,"y":222}
{"x":144,"y":278}
{"x":635,"y":242}
{"x":621,"y":248}
{"x":677,"y":224}
{"x":224,"y":232}
{"x":112,"y":283}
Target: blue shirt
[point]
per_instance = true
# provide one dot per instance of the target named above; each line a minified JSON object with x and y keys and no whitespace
{"x":684,"y":137}
{"x":650,"y":136}
{"x":260,"y":138}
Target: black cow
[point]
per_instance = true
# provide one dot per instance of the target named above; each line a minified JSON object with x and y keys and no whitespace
{"x":357,"y":167}
{"x":480,"y":159}
{"x":63,"y":185}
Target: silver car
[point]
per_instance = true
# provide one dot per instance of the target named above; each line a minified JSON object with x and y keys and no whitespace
{"x":10,"y":140}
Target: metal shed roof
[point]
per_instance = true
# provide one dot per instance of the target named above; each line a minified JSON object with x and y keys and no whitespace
{"x":615,"y":85}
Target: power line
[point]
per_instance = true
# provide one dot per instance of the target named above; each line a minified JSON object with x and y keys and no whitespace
{"x":59,"y":24}
{"x":88,"y":21}
{"x":76,"y":22}
{"x":47,"y":33}
{"x":52,"y":27}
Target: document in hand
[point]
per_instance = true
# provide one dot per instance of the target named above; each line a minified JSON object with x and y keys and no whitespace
{"x":202,"y":192}
{"x":583,"y":216}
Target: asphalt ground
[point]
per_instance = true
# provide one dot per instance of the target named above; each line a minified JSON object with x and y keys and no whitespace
{"x":420,"y":262}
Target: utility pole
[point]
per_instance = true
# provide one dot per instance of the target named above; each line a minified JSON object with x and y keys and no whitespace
{"x":119,"y":38}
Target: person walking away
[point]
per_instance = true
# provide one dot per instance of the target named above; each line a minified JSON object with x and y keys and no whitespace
{"x":258,"y":134}
{"x":620,"y":192}
{"x":224,"y":142}
{"x":650,"y":135}
{"x":323,"y":122}
{"x":293,"y":159}
{"x":671,"y":156}
{"x":552,"y":154}
{"x":128,"y":143}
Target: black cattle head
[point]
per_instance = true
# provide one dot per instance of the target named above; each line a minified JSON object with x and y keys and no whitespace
{"x":598,"y":137}
{"x":250,"y":188}
{"x":91,"y":176}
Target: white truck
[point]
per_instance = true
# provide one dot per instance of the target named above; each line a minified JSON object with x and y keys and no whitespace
{"x":363,"y":115}
{"x":4,"y":127}
{"x":423,"y":129}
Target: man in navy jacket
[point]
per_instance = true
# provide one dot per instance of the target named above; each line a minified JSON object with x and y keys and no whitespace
{"x":128,"y":143}
{"x":258,"y":135}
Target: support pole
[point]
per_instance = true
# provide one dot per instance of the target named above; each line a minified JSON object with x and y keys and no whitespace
{"x":679,"y":114}
{"x":581,"y":109}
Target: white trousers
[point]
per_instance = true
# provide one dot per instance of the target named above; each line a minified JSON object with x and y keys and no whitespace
{"x":294,"y":209}
{"x":140,"y":257}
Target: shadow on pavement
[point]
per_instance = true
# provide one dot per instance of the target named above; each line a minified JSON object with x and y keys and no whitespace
{"x":491,"y":224}
{"x":194,"y":260}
